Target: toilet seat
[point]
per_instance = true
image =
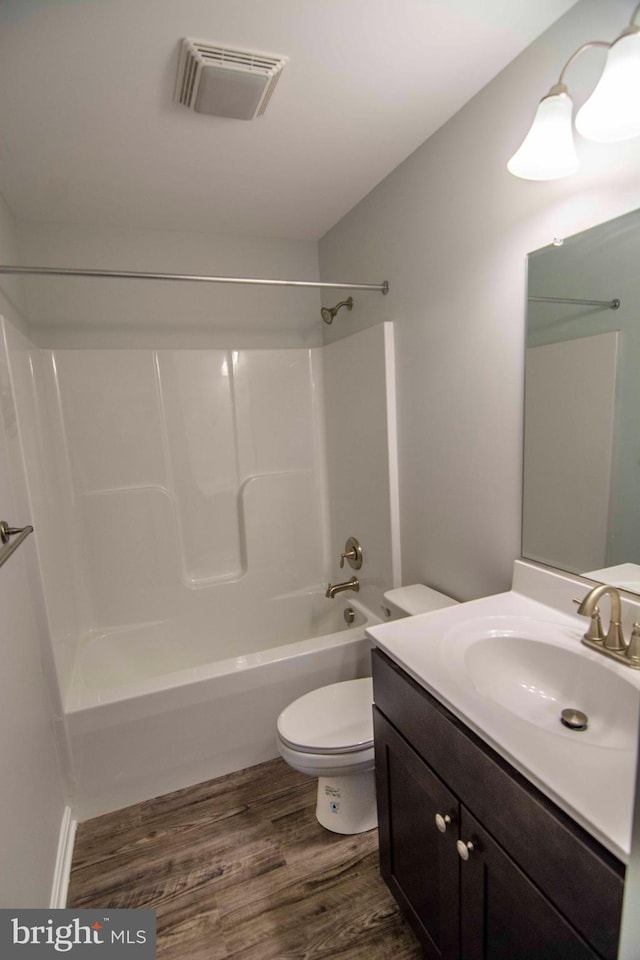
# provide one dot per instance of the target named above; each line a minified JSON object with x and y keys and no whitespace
{"x":328,"y":764}
{"x":332,"y":720}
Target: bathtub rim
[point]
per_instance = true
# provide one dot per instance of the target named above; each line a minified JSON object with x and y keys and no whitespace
{"x":188,"y":686}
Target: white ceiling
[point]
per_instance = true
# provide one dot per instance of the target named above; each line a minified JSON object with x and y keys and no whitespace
{"x":89,"y":131}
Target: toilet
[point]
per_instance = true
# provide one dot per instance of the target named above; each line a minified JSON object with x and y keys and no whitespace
{"x":328,"y":733}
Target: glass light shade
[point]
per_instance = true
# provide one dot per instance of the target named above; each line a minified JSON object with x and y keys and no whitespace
{"x":612,"y":112}
{"x":548,"y":151}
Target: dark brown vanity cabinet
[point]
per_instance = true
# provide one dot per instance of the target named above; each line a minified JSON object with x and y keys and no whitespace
{"x":484,"y":866}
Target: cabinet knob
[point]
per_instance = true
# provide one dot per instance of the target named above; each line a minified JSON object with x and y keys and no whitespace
{"x":464,"y":849}
{"x":442,"y":822}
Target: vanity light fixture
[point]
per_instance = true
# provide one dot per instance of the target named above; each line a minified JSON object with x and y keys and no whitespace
{"x":611,"y":113}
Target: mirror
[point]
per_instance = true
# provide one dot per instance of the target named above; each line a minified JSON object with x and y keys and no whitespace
{"x":581,"y":494}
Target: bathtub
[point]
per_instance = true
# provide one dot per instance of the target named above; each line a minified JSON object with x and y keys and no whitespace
{"x":148,"y":713}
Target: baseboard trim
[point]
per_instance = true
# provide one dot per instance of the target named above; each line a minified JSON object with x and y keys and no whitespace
{"x":63,"y":860}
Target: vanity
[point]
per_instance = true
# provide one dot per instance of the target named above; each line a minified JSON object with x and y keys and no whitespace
{"x":503,"y":833}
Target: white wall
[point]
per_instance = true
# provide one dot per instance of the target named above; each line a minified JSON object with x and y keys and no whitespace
{"x":450,"y":230}
{"x":33,"y":794}
{"x":110,"y":313}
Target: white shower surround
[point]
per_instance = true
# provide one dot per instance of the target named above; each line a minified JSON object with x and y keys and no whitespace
{"x":192,"y":534}
{"x":193,"y":480}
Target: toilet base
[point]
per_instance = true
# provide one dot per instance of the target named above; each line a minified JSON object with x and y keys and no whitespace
{"x":347,"y":804}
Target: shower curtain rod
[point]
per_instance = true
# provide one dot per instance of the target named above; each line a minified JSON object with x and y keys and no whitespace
{"x":135,"y":275}
{"x":611,"y":304}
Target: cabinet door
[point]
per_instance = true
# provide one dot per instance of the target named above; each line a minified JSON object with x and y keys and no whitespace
{"x":418,"y":862}
{"x":504,"y":916}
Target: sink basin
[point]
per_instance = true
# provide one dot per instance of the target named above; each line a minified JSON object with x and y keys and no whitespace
{"x":536,"y":680}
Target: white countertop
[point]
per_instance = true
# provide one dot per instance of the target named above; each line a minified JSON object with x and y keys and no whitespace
{"x":589,"y":776}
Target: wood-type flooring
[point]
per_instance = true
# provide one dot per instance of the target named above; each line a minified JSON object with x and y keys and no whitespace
{"x":238,"y":868}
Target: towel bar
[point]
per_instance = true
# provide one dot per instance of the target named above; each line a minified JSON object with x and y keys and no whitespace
{"x":6,"y":532}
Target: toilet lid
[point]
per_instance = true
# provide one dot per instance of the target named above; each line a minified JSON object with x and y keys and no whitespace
{"x":333,"y":719}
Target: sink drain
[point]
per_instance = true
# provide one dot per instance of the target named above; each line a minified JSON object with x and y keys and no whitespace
{"x":574,"y":719}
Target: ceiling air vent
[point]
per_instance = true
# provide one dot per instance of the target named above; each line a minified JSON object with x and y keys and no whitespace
{"x":225,"y":82}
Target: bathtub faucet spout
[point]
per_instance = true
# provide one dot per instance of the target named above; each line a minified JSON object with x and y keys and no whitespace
{"x":333,"y":588}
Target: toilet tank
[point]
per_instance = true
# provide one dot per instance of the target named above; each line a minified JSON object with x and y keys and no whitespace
{"x":416,"y":598}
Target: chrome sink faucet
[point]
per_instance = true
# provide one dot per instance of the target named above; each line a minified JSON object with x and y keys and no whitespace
{"x":613,"y":644}
{"x":334,"y":588}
